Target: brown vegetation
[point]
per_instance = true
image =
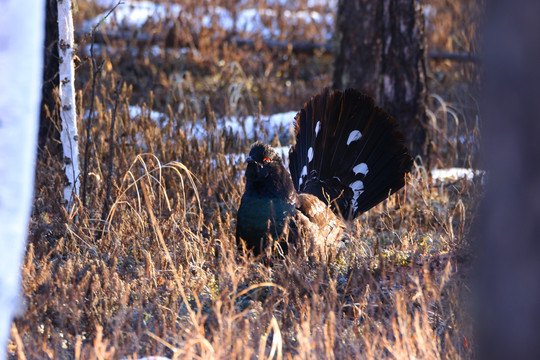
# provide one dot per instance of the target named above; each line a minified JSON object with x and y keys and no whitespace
{"x":160,"y":273}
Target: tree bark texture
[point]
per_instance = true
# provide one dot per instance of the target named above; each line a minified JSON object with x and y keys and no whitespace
{"x":380,"y":51}
{"x":69,"y":135}
{"x":508,"y":233}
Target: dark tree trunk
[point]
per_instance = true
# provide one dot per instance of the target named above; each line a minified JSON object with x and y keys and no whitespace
{"x":380,"y":51}
{"x":49,"y":134}
{"x":509,"y":228}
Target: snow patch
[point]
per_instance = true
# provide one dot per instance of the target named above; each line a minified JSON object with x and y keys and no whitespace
{"x":271,"y":124}
{"x":454,"y":174}
{"x":263,"y":21}
{"x":135,"y":111}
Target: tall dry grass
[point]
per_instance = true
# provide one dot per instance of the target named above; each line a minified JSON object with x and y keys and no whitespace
{"x":160,"y":273}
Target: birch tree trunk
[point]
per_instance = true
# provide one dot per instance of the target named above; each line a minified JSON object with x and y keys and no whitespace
{"x":380,"y":51}
{"x":21,"y":56}
{"x":69,"y":135}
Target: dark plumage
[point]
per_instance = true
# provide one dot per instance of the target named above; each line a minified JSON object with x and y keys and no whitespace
{"x":348,"y":157}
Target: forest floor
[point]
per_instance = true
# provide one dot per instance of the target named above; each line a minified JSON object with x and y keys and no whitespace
{"x":148,"y":264}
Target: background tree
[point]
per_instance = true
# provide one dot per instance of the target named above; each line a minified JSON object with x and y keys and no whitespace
{"x":21,"y":34}
{"x":66,"y":90}
{"x":49,"y":134}
{"x":508,"y":233}
{"x":380,"y":51}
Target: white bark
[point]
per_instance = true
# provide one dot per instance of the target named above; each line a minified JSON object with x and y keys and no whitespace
{"x":69,"y":135}
{"x":21,"y":58}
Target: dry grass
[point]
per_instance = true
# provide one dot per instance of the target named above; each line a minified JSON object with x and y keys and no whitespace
{"x":160,"y":273}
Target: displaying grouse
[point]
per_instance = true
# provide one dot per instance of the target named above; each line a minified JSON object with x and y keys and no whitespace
{"x":348,"y":157}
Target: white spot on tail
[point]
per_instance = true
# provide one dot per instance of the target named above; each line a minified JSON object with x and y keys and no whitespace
{"x":317,"y":128}
{"x":310,"y":154}
{"x":358,"y":188}
{"x":361,"y":168}
{"x":302,"y":174}
{"x":353,"y":136}
{"x":358,"y":185}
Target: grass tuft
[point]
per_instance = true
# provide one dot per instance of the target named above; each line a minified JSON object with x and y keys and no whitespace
{"x":160,"y":273}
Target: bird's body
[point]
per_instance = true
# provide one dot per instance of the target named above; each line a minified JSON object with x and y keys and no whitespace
{"x":348,"y":157}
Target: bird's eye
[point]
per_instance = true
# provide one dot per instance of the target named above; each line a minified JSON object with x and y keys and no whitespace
{"x":266,"y":160}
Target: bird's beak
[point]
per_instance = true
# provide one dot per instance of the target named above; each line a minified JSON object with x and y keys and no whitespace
{"x":250,"y":160}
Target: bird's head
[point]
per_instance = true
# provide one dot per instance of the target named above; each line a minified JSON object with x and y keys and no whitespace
{"x":266,"y":176}
{"x":262,"y":162}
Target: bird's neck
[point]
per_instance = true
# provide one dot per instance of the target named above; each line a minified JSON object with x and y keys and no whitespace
{"x":277,"y":185}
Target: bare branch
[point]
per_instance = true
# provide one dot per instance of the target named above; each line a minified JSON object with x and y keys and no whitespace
{"x":304,"y":47}
{"x":96,"y":70}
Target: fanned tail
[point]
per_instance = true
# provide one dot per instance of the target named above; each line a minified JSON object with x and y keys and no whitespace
{"x":348,"y":152}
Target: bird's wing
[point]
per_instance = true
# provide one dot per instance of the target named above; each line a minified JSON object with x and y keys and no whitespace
{"x":317,"y":223}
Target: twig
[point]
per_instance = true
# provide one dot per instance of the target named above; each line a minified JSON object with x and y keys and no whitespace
{"x":18,"y":341}
{"x":96,"y":70}
{"x":461,"y":57}
{"x":144,"y":39}
{"x":107,"y":200}
{"x":295,"y":46}
{"x":168,"y":257}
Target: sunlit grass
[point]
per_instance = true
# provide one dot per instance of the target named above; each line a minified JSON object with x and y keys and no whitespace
{"x":161,"y":274}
